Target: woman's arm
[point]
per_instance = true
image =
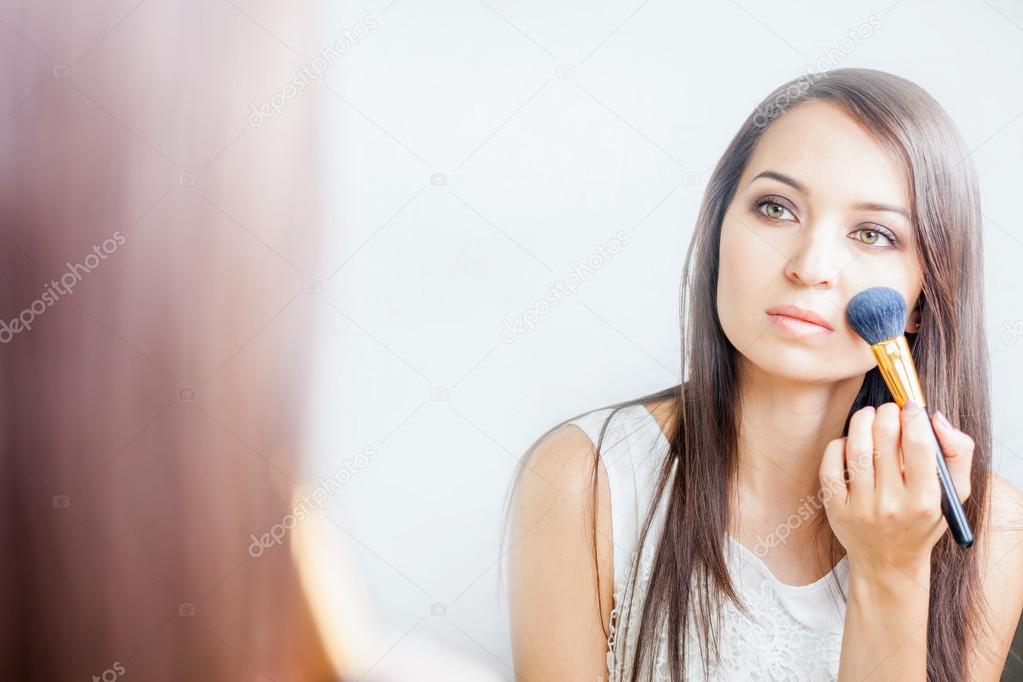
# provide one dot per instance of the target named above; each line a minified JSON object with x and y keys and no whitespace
{"x":886,"y":618}
{"x":885,"y":636}
{"x":885,"y":508}
{"x":557,"y":609}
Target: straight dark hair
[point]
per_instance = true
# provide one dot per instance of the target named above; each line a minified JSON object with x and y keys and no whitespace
{"x":689,"y":575}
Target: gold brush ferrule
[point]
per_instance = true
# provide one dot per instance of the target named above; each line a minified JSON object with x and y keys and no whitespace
{"x":898,"y":370}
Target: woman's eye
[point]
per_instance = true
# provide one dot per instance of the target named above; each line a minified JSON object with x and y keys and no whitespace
{"x":866,"y":235}
{"x":870,"y":237}
{"x":773,"y":210}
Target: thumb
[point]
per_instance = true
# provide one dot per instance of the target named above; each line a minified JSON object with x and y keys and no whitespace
{"x":832,"y":474}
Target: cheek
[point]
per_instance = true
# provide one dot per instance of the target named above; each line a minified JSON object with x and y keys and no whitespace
{"x":727,"y":268}
{"x":901,"y":273}
{"x":745,"y":261}
{"x":909,"y":281}
{"x":742,"y":271}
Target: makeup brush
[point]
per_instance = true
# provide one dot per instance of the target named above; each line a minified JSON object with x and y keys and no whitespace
{"x":878,"y":315}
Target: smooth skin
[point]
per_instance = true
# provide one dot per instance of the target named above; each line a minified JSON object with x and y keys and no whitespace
{"x":888,"y":518}
{"x":815,"y":244}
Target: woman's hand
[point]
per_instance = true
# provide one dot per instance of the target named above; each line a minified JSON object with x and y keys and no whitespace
{"x":887,"y":511}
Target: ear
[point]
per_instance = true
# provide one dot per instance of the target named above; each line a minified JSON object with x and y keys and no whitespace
{"x":913,"y":321}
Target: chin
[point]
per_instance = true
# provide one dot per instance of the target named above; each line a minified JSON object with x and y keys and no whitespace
{"x":806,"y":364}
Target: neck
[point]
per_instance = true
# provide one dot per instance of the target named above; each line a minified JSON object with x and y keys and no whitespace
{"x":784,"y":425}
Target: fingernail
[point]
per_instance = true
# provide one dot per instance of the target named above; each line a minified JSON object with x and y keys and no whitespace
{"x":943,"y":419}
{"x":911,"y":406}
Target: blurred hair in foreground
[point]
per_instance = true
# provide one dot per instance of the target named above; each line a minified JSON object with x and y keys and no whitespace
{"x":129,"y":487}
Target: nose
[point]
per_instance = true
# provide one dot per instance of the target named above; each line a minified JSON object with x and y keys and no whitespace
{"x":814,"y":263}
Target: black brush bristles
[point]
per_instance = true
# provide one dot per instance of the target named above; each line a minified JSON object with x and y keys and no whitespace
{"x":877,"y":314}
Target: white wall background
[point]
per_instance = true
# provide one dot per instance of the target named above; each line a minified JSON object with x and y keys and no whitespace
{"x":478,"y":152}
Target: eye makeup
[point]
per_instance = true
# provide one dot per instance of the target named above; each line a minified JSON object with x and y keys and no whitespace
{"x":773,"y":200}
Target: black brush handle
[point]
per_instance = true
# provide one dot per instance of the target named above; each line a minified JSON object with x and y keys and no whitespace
{"x":951,"y":507}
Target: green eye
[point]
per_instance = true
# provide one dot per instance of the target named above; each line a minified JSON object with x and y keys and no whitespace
{"x":772,"y":209}
{"x":870,"y":237}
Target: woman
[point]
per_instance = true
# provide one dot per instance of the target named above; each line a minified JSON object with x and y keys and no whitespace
{"x":710,"y":530}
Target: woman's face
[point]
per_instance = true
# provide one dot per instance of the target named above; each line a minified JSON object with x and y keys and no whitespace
{"x":820,"y":213}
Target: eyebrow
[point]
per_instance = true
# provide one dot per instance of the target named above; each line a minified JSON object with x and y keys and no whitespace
{"x":781,"y":178}
{"x":870,"y":206}
{"x":863,"y":205}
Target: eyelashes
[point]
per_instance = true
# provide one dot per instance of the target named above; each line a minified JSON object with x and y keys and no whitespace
{"x":779,"y":205}
{"x":768,"y":201}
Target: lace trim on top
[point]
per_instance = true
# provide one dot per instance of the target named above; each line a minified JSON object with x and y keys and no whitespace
{"x":796,"y":630}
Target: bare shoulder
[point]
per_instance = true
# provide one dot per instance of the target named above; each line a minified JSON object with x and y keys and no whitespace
{"x":560,"y":594}
{"x":1005,"y":530}
{"x":1004,"y":550}
{"x":1001,"y":564}
{"x":564,"y":458}
{"x":1006,"y":505}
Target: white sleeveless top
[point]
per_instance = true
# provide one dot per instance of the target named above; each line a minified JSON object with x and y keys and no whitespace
{"x":797,"y":633}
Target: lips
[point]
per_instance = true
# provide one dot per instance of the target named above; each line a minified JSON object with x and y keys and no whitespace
{"x":800,"y":314}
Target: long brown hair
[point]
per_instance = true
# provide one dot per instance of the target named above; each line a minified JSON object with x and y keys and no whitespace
{"x":689,"y":575}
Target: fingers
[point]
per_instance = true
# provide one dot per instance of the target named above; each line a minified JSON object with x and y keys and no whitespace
{"x":919,"y":451}
{"x":958,"y":449}
{"x":833,"y":487}
{"x":885,"y":431}
{"x":888,"y":479}
{"x":859,"y":451}
{"x":890,"y":451}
